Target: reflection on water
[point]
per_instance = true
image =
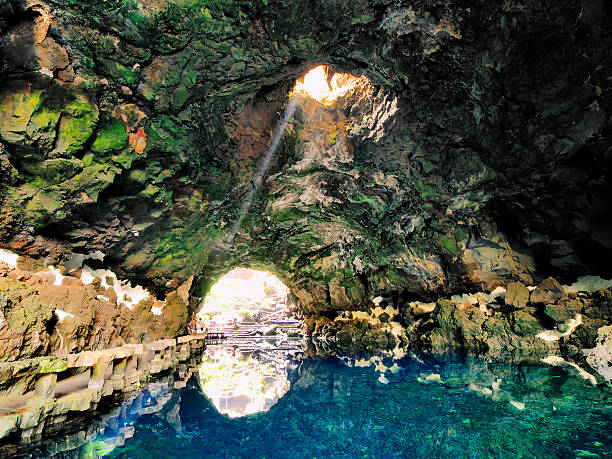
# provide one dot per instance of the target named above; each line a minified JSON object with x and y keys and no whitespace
{"x":241,"y":380}
{"x":380,"y":406}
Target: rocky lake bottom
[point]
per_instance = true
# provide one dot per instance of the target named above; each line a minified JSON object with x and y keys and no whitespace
{"x":279,"y":400}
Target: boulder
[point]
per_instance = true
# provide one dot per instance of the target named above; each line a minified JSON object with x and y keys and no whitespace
{"x":338,"y":296}
{"x":517,"y":295}
{"x":524,"y":324}
{"x":491,"y":263}
{"x":549,"y":291}
{"x":601,"y":306}
{"x":563,"y":311}
{"x":419,"y":308}
{"x":458,"y":325}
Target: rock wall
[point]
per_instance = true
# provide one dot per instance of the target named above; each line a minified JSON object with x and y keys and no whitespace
{"x":43,"y":314}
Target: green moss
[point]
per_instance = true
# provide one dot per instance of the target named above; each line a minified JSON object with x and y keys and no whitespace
{"x":448,"y":244}
{"x":305,"y":47}
{"x":150,"y":191}
{"x":332,"y":139}
{"x":108,"y":44}
{"x":524,"y":324}
{"x":41,"y":127}
{"x":88,"y":159}
{"x":44,"y":207}
{"x":168,"y":134}
{"x":124,"y":158}
{"x":79,"y":118}
{"x":120,"y":73}
{"x":287,"y":215}
{"x":460,"y":235}
{"x":52,"y":365}
{"x":17,"y":105}
{"x":54,"y":171}
{"x":93,"y":179}
{"x":138,"y":175}
{"x":428,"y":190}
{"x":112,"y":137}
{"x":180,"y":96}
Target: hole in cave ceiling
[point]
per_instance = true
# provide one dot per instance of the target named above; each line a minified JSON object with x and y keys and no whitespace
{"x":321,"y":84}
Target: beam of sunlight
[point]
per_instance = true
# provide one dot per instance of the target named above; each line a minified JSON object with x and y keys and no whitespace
{"x":256,"y":182}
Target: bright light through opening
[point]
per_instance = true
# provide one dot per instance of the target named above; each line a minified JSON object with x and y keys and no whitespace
{"x":241,"y":295}
{"x":247,"y":373}
{"x":239,"y":384}
{"x":318,"y":85}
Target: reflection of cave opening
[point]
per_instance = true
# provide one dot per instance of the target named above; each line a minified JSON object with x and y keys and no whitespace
{"x":247,"y":304}
{"x":326,"y":87}
{"x":250,"y":371}
{"x":240,"y":380}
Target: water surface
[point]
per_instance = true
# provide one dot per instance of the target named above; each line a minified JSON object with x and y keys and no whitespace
{"x":376,"y":407}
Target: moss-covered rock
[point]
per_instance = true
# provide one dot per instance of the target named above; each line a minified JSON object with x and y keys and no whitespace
{"x":525,"y":324}
{"x":25,"y":119}
{"x":76,"y":125}
{"x":113,"y":136}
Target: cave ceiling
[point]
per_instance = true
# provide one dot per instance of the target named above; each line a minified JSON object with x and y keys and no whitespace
{"x":477,"y":148}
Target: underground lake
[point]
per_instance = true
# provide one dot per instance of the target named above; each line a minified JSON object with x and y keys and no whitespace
{"x":292,"y":399}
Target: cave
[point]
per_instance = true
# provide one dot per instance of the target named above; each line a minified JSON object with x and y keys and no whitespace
{"x":424,"y":180}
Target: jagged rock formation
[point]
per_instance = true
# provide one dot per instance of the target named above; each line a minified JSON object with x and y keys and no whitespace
{"x":479,"y":153}
{"x":40,"y":316}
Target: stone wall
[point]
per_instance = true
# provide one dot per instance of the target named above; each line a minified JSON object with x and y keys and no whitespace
{"x":36,"y":393}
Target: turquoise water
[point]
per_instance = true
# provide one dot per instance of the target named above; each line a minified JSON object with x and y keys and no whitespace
{"x":239,"y":402}
{"x":416,"y":406}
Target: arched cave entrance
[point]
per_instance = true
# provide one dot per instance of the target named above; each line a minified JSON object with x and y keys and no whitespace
{"x":249,"y":371}
{"x":250,"y":304}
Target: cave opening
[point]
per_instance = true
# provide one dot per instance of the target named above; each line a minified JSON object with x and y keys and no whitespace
{"x":325,"y":86}
{"x":250,"y":370}
{"x":249,"y":304}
